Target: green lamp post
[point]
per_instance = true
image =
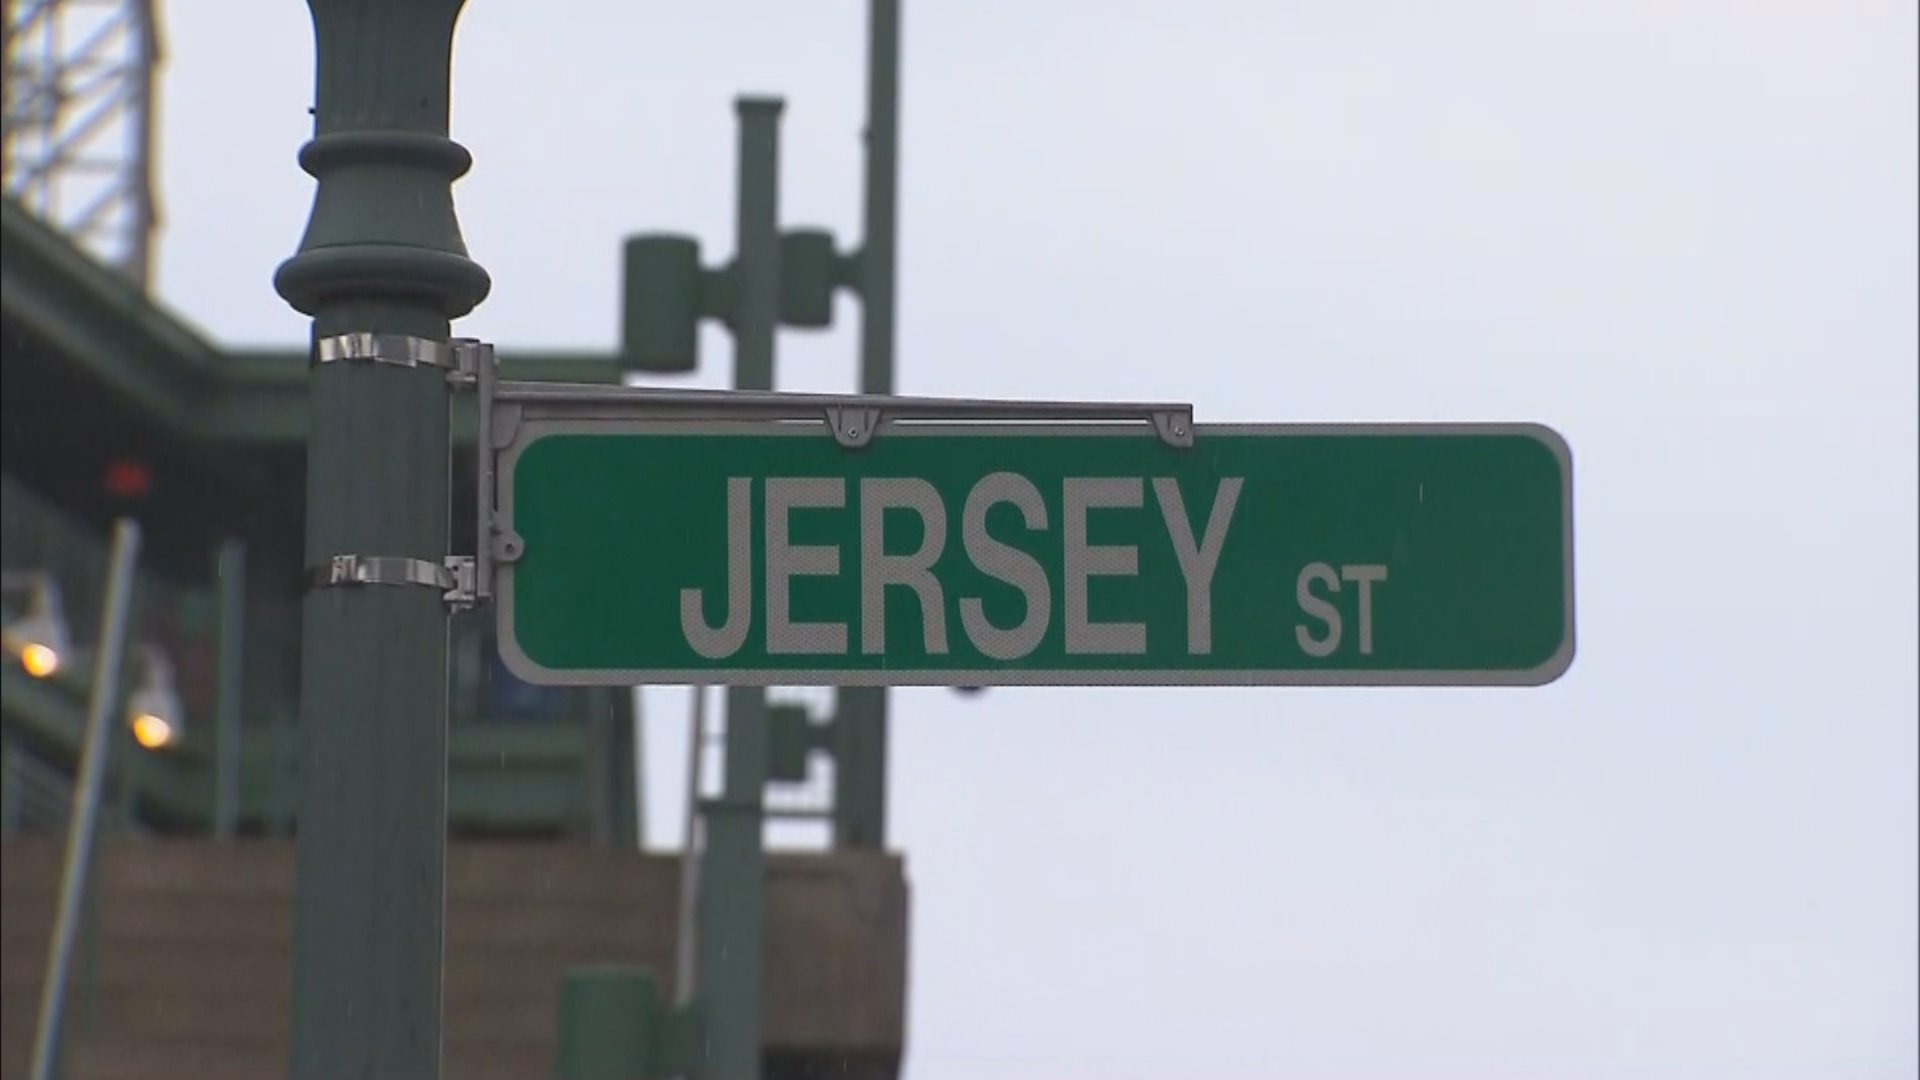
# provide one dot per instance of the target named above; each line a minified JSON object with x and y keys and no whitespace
{"x":382,"y":270}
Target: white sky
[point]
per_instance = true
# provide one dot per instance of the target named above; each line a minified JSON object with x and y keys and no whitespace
{"x":1682,"y":232}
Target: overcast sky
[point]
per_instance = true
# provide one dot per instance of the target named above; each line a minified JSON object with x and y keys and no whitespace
{"x":1681,"y":232}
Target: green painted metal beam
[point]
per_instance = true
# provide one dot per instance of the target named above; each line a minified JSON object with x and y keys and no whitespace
{"x":131,"y":346}
{"x":99,"y":322}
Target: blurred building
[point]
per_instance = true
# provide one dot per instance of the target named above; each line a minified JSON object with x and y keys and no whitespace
{"x":110,"y":406}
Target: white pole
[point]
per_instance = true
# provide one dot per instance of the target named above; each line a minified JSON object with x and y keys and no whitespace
{"x":86,"y":793}
{"x":639,"y":787}
{"x":690,"y":854}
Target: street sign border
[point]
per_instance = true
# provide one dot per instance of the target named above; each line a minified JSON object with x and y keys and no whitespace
{"x":531,"y":428}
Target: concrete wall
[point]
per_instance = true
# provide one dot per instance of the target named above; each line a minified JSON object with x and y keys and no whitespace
{"x":192,"y":972}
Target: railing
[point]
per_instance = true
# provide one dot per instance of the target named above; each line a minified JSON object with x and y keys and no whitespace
{"x":521,"y":757}
{"x":37,"y":538}
{"x":182,"y":621}
{"x":35,"y":796}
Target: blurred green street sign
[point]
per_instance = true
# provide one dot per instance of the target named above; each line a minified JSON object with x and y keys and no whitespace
{"x":672,"y":551}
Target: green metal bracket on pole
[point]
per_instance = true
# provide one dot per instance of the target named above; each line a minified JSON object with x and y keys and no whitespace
{"x":615,"y":1026}
{"x":667,"y":292}
{"x":810,"y":269}
{"x":793,"y":736}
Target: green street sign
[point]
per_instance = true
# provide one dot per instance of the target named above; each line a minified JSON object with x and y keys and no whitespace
{"x":662,"y":551}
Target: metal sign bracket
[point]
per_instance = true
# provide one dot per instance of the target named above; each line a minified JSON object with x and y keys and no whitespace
{"x":853,"y":426}
{"x":393,"y":350}
{"x":479,"y":369}
{"x":464,"y":580}
{"x":452,"y":576}
{"x":853,"y":419}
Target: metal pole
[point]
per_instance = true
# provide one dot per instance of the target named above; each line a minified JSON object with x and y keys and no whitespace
{"x":231,"y":573}
{"x":382,"y":255}
{"x":691,"y":844}
{"x":92,"y":767}
{"x":637,"y":781}
{"x":860,"y":757}
{"x":143,"y":215}
{"x":734,"y":881}
{"x":883,"y":180}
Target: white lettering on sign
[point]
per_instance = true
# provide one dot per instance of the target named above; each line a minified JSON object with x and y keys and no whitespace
{"x":786,"y":560}
{"x":1323,"y":574}
{"x":1198,"y":560}
{"x":1365,"y":574}
{"x":1085,"y":561}
{"x":1317,"y":608}
{"x":718,"y":644}
{"x":1009,"y":564}
{"x":914,"y":571}
{"x":881,"y":571}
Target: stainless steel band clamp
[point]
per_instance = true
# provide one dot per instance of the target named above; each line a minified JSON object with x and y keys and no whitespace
{"x":460,"y":579}
{"x":459,"y":358}
{"x":454,"y":578}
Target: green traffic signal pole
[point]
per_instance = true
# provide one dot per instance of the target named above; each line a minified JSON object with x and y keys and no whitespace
{"x":883,"y":179}
{"x":733,"y":874}
{"x":860,"y":757}
{"x":382,"y":264}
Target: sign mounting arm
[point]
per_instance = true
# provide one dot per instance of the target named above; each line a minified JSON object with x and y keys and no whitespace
{"x":853,"y":418}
